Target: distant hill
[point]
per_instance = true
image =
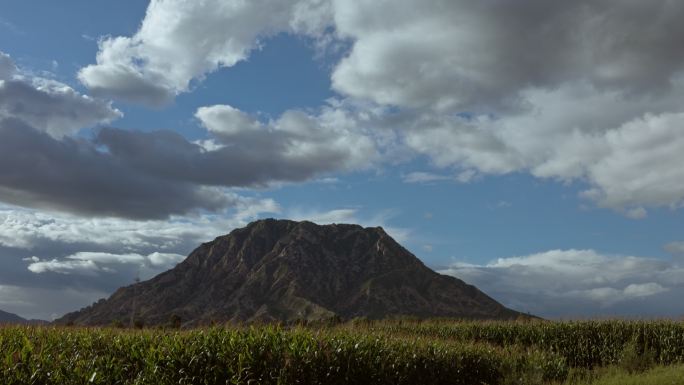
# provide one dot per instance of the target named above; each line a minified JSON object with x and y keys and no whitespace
{"x":280,"y":270}
{"x":9,"y":318}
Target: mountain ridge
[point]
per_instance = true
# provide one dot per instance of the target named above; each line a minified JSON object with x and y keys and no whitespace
{"x":281,"y":270}
{"x":10,"y":318}
{"x":6,"y":317}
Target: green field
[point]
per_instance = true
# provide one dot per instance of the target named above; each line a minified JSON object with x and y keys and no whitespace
{"x":361,"y":352}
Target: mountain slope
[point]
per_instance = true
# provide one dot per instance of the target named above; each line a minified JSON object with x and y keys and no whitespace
{"x":9,"y":318}
{"x":279,"y":270}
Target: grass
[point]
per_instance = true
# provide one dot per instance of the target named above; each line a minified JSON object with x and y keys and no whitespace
{"x":661,"y":375}
{"x":358,"y":352}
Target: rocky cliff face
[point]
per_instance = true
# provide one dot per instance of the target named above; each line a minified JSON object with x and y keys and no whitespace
{"x":279,"y":270}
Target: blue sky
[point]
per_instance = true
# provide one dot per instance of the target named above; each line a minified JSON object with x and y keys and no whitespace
{"x":568,"y":163}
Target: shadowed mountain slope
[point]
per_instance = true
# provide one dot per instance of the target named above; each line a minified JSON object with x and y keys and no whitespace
{"x":7,"y":318}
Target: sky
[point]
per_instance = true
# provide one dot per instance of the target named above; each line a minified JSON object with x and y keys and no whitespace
{"x":531,"y":148}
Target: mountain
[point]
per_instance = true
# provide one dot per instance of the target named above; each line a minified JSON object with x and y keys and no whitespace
{"x":9,"y":318}
{"x":280,"y":270}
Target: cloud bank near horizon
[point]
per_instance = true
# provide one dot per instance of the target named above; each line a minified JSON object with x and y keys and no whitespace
{"x":571,"y":284}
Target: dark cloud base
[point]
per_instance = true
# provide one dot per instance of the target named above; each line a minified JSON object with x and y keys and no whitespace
{"x":73,"y":175}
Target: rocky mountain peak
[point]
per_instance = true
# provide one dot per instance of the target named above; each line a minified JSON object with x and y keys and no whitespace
{"x":282,"y":270}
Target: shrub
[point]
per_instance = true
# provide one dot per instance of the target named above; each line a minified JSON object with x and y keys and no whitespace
{"x":636,"y":358}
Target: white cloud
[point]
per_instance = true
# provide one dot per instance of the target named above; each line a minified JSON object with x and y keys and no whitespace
{"x":457,"y":142}
{"x":593,"y":98}
{"x":164,"y":260}
{"x":227,"y":120}
{"x":329,"y":140}
{"x":449,"y":81}
{"x":465,"y":176}
{"x":156,"y":174}
{"x":424,"y":177}
{"x":89,"y":263}
{"x":636,"y":213}
{"x":644,"y":289}
{"x":107,"y":258}
{"x":48,"y":105}
{"x":64,"y":267}
{"x":407,"y":53}
{"x":570,"y":283}
{"x":629,"y":160}
{"x":608,"y":296}
{"x":181,"y":40}
{"x":328,"y":181}
{"x":29,"y":229}
{"x":642,"y":165}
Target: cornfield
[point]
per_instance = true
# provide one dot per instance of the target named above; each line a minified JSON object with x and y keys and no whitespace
{"x":582,"y":344}
{"x":386,"y":352}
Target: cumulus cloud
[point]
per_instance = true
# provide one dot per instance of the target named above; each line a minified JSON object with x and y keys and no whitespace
{"x":48,"y":105}
{"x":179,"y":41}
{"x":436,"y":54}
{"x":138,"y":174}
{"x":594,"y":98}
{"x":640,"y":166}
{"x":296,"y":145}
{"x":73,"y":175}
{"x":629,"y":160}
{"x":449,"y":79}
{"x":64,"y":267}
{"x":465,"y":56}
{"x":52,"y":107}
{"x":572,"y":283}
